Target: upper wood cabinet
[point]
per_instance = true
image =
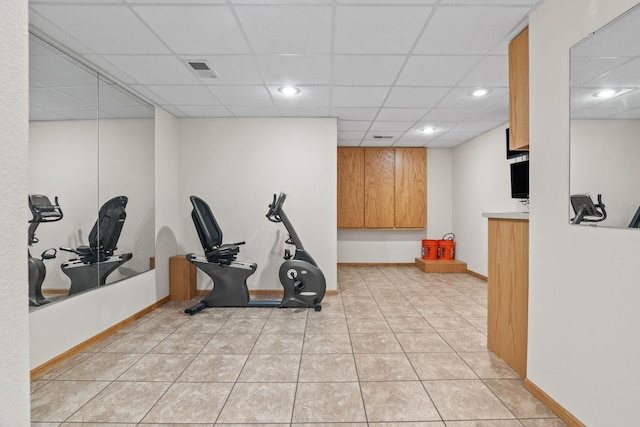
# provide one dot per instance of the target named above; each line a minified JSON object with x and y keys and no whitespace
{"x":350,"y":188}
{"x":379,"y":187}
{"x":519,"y":91}
{"x":382,"y":187}
{"x":411,"y":185}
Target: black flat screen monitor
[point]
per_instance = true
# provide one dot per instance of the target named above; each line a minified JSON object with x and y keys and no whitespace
{"x":635,"y":222}
{"x":520,"y":180}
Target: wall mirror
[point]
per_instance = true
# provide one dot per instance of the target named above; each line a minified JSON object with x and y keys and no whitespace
{"x":91,"y":178}
{"x":605,"y":125}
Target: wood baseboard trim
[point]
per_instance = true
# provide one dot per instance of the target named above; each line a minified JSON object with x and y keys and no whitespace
{"x":265,"y":292}
{"x":543,"y":397}
{"x":376,"y":264}
{"x":45,"y":367}
{"x":478,"y":275}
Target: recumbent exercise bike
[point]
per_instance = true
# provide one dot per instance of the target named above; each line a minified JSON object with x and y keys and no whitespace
{"x":303,"y":282}
{"x":96,"y":261}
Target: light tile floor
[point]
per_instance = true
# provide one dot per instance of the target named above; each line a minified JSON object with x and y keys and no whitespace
{"x":396,"y":346}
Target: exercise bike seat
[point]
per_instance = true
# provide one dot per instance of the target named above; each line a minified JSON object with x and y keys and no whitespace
{"x":210,"y":234}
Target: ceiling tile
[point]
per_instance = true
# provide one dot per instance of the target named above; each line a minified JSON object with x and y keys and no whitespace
{"x":436,"y":70}
{"x":347,"y":113}
{"x":231,"y":69}
{"x":492,"y":114}
{"x":461,"y":97}
{"x":309,"y":96}
{"x":107,"y":68}
{"x":402,"y":142}
{"x":287,"y":29}
{"x":450,"y":114}
{"x":353,"y":96}
{"x":353,"y":125}
{"x":379,"y":126}
{"x":94,"y":26}
{"x":378,"y":29}
{"x":388,"y":2}
{"x":296,"y":2}
{"x":205,"y":111}
{"x":415,"y":97}
{"x":626,"y":75}
{"x":401,"y":114}
{"x":147,"y":94}
{"x":255,"y":111}
{"x":468,"y":30}
{"x":350,"y":135}
{"x":378,"y":142}
{"x":584,"y":69}
{"x":296,"y":69}
{"x":242,"y":96}
{"x":56,"y":70}
{"x":195,"y":29}
{"x":184,"y":95}
{"x":50,"y":99}
{"x":154,"y":69}
{"x":175,"y":111}
{"x":445,"y":143}
{"x":393,"y":134}
{"x":366,"y":70}
{"x":305,"y":111}
{"x":490,"y":72}
{"x":476,"y":126}
{"x":492,"y":2}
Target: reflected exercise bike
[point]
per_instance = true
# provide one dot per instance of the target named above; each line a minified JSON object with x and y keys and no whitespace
{"x":303,"y":282}
{"x":43,"y":211}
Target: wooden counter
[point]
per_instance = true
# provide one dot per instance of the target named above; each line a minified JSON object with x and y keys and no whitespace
{"x":508,"y":288}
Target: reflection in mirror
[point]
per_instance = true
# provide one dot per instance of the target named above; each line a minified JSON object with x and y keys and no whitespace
{"x":91,"y":178}
{"x":605,"y":124}
{"x":126,"y":170}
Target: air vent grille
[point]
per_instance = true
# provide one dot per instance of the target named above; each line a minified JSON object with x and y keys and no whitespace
{"x":202,"y":69}
{"x":382,"y":137}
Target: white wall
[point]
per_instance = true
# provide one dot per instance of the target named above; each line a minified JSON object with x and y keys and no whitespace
{"x":63,"y":162}
{"x":583,"y":281}
{"x":236,"y":165}
{"x":58,"y":327}
{"x":604,"y":159}
{"x":481,"y":183}
{"x":14,"y":104}
{"x":403,"y":246}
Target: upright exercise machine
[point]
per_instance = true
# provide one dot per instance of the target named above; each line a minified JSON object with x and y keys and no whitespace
{"x":96,"y":261}
{"x":303,"y":282}
{"x":43,"y":211}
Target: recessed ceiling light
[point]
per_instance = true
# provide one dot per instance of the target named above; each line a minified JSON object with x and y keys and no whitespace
{"x":605,"y":93}
{"x":428,"y":130}
{"x":480,"y":92}
{"x":289,"y":90}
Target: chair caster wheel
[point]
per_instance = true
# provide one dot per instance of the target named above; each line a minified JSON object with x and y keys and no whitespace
{"x":317,"y":307}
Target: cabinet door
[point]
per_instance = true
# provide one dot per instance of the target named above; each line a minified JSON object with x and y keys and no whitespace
{"x":519,"y":92}
{"x":410,"y":187}
{"x":350,"y":187}
{"x":379,"y":187}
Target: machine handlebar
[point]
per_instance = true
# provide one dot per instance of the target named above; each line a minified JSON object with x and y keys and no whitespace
{"x":273,"y":214}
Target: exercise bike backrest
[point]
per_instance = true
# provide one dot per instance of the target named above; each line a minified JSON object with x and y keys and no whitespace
{"x":210,"y":234}
{"x":104,"y":236}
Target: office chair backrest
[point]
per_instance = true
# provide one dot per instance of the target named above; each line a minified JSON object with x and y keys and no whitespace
{"x":106,"y":231}
{"x":207,"y":227}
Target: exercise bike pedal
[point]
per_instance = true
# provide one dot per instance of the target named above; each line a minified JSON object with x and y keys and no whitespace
{"x":287,"y":254}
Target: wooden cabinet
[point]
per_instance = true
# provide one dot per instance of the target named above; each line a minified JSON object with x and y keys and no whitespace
{"x":379,"y":187}
{"x":508,"y":302}
{"x":382,"y":187}
{"x":519,"y":91}
{"x":182,"y":279}
{"x":350,"y":188}
{"x":410,"y":191}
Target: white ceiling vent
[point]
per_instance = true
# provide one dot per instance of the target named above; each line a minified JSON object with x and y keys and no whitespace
{"x":202,"y":69}
{"x":382,"y":136}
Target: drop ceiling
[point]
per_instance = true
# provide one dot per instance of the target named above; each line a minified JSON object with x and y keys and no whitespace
{"x":384,"y":68}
